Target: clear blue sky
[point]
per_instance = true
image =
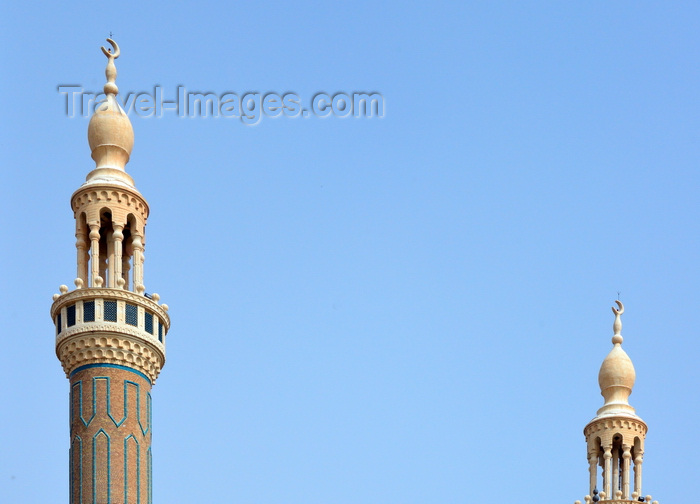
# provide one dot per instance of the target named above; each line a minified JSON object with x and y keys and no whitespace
{"x":403,"y":310}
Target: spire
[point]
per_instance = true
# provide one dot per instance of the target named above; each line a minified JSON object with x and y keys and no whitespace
{"x":111,"y":70}
{"x":110,"y":134}
{"x":617,"y":325}
{"x":615,"y":437}
{"x":616,"y":377}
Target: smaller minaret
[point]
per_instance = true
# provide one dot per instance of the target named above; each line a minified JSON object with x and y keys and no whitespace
{"x":615,"y":437}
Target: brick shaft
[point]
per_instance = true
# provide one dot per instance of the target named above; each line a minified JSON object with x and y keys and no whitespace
{"x":110,"y":436}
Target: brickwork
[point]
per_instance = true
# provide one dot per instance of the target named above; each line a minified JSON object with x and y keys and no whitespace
{"x":110,"y":432}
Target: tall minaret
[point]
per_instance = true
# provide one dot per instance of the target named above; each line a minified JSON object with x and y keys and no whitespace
{"x":110,"y":334}
{"x":615,"y":437}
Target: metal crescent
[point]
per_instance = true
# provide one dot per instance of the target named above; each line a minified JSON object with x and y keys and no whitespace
{"x":115,"y":46}
{"x":621,"y":308}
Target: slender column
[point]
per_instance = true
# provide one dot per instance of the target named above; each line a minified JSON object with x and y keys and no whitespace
{"x":94,"y":252}
{"x":137,"y":244}
{"x":592,"y":470}
{"x":615,"y":470}
{"x":626,"y":456}
{"x":111,"y":283}
{"x":126,"y":267}
{"x":81,"y":245}
{"x":103,"y":264}
{"x":607,"y":471}
{"x":116,"y":264}
{"x":638,"y":456}
{"x":127,"y":255}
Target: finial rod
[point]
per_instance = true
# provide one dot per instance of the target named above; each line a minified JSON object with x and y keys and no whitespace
{"x":111,"y":70}
{"x":617,"y":324}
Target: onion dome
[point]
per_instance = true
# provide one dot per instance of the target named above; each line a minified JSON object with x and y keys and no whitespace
{"x":617,"y":375}
{"x":110,"y":134}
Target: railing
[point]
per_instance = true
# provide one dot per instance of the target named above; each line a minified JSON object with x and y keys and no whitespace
{"x":602,"y":500}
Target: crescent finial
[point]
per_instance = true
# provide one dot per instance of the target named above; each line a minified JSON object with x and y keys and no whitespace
{"x":108,"y":52}
{"x":111,"y":70}
{"x":617,"y":325}
{"x":620,"y":308}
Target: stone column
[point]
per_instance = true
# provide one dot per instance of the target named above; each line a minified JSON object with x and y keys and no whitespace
{"x":126,"y":267}
{"x":117,"y":236}
{"x":593,"y":471}
{"x":607,"y":472}
{"x":103,"y":265}
{"x":81,"y":245}
{"x":94,"y":253}
{"x":111,"y":282}
{"x":615,"y":470}
{"x":626,"y":456}
{"x":127,"y":254}
{"x":137,"y":244}
{"x":638,"y":456}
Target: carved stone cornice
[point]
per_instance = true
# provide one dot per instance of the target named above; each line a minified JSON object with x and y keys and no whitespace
{"x":111,"y":347}
{"x":615,"y":423}
{"x":113,"y":196}
{"x":92,"y":328}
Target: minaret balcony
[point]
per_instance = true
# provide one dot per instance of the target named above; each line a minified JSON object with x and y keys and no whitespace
{"x":602,"y":500}
{"x":104,"y":325}
{"x":623,"y":501}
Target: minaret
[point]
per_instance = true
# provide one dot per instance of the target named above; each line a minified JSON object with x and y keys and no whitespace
{"x":110,"y":334}
{"x":615,"y":437}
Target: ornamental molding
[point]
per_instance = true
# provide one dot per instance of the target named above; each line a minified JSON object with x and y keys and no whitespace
{"x":110,"y":348}
{"x":615,"y":423}
{"x":110,"y":294}
{"x":106,"y":194}
{"x":111,"y":328}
